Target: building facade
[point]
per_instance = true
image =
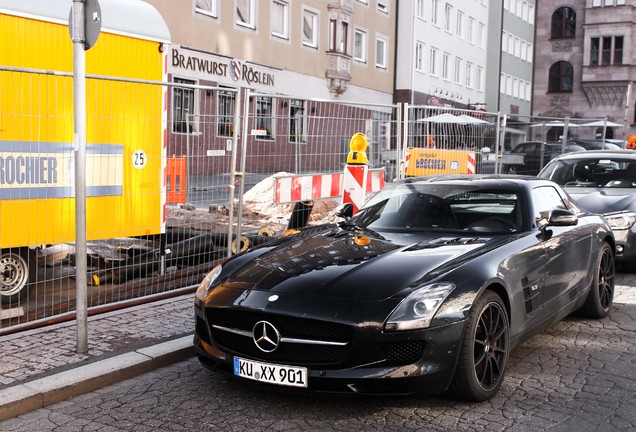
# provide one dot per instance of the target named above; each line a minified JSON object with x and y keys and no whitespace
{"x":292,"y":53}
{"x":584,"y":61}
{"x":441,"y":53}
{"x":510,"y":57}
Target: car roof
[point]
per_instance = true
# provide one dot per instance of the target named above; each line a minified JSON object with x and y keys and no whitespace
{"x":486,"y":180}
{"x":594,"y":154}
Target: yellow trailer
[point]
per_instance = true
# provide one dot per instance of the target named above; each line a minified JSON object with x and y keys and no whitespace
{"x":126,"y":130}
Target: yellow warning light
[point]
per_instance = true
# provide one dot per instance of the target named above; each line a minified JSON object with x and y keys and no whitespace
{"x":358,"y":146}
{"x":361,"y":240}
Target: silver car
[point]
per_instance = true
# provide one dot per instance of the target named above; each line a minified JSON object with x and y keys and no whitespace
{"x":603,"y":181}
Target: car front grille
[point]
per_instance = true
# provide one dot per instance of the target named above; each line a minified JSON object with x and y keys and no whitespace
{"x":312,"y":331}
{"x":328,"y":343}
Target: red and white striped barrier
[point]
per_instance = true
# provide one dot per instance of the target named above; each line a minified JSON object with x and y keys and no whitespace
{"x":310,"y":187}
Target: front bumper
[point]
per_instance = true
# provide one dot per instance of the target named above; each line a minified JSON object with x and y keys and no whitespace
{"x":625,"y":245}
{"x":369,"y":366}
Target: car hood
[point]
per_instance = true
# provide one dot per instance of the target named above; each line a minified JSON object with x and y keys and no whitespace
{"x":595,"y":200}
{"x":355,"y":265}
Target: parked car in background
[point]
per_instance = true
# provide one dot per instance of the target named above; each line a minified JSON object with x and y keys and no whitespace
{"x":603,"y":182}
{"x":427,"y":288}
{"x":595,"y":144}
{"x":536,"y":154}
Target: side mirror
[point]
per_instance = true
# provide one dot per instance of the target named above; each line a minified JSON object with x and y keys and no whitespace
{"x":345,"y":211}
{"x":558,"y":217}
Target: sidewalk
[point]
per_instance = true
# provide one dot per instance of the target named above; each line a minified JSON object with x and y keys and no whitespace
{"x":40,"y":367}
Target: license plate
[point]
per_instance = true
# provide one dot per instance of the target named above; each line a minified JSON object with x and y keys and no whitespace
{"x":270,"y":373}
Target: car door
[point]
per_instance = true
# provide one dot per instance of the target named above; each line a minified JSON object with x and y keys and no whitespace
{"x":568,"y":249}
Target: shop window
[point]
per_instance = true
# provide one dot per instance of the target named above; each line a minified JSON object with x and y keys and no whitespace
{"x":265,"y":117}
{"x":183,"y":107}
{"x":225,"y":113}
{"x":297,"y":121}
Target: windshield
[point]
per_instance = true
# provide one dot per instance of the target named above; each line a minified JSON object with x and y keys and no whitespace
{"x":592,"y":172}
{"x":425,"y":207}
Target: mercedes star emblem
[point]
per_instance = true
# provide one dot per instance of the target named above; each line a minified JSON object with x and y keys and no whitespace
{"x":265,"y":336}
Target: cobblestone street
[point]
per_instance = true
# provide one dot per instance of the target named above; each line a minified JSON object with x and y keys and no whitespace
{"x":578,"y":375}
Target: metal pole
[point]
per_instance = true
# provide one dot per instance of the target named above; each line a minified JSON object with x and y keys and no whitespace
{"x":79,"y":99}
{"x":246,"y":112}
{"x":233,"y":173}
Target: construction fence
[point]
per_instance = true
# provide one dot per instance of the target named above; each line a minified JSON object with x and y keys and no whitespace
{"x":181,"y":176}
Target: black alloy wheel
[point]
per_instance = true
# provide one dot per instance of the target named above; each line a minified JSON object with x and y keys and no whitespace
{"x":601,"y":296}
{"x":484,"y":351}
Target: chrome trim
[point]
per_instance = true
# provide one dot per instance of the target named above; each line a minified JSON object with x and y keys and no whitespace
{"x":282,"y":339}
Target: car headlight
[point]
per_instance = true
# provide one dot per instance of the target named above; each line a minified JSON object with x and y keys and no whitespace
{"x":621,"y":221}
{"x":417,"y":310}
{"x":208,"y":281}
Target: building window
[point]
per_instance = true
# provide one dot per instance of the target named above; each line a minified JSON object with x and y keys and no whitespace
{"x":333,"y":28}
{"x":502,"y":83}
{"x":469,"y":75}
{"x":606,"y":50}
{"x":599,"y":3}
{"x":419,"y":56}
{"x":563,"y":23}
{"x":420,"y":9}
{"x":225,"y":113}
{"x":480,"y":35}
{"x":531,"y":14}
{"x":245,"y":15}
{"x":595,"y":50}
{"x":297,"y":121}
{"x":280,"y":19}
{"x":448,"y":11}
{"x":265,"y":117}
{"x":338,"y":36}
{"x":561,"y":77}
{"x":479,"y":79}
{"x":380,"y":53}
{"x":529,"y":54}
{"x":207,"y":7}
{"x":433,"y":62}
{"x":383,"y":6}
{"x":470,"y":30}
{"x":360,"y":45}
{"x":183,"y":107}
{"x":618,"y":50}
{"x":310,"y":29}
{"x":435,"y":12}
{"x":446,"y":66}
{"x":458,"y":70}
{"x":459,"y":25}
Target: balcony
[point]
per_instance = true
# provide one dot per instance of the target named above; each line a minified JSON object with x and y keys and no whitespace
{"x":338,"y":72}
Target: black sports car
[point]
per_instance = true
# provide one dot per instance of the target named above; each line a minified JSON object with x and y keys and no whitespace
{"x":426,"y":289}
{"x":603,"y":182}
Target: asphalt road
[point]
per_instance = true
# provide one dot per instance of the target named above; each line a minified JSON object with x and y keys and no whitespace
{"x":577,"y":376}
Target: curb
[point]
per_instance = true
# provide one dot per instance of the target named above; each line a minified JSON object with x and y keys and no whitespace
{"x":42,"y":392}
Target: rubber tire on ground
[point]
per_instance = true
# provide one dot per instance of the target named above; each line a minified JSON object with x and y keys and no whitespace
{"x":22,"y":260}
{"x":483,"y":357}
{"x":601,"y":296}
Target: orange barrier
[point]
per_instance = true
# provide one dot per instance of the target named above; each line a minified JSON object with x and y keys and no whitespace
{"x":176,"y":180}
